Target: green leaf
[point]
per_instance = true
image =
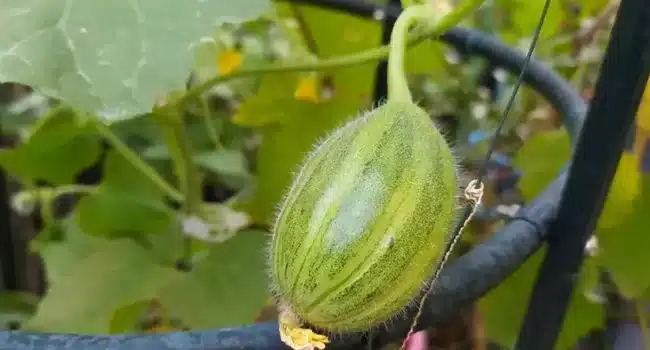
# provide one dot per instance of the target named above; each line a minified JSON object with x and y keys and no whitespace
{"x":540,"y":159}
{"x":111,"y":213}
{"x":624,"y":245}
{"x":226,"y":288}
{"x":224,"y":162}
{"x":285,"y":145}
{"x":504,"y":307}
{"x":116,"y":273}
{"x":61,"y":257}
{"x":57,"y":150}
{"x":291,"y":127}
{"x":126,"y":203}
{"x":112,"y":58}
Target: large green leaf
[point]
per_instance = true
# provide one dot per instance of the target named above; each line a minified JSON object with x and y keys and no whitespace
{"x":228,"y":287}
{"x":504,"y":307}
{"x":116,"y":273}
{"x":126,"y":203}
{"x":112,"y":279}
{"x":113,"y":58}
{"x":57,"y":150}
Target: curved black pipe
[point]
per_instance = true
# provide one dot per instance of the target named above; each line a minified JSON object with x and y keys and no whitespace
{"x":460,"y":283}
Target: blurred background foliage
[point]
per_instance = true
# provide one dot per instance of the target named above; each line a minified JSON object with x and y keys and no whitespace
{"x":95,"y":240}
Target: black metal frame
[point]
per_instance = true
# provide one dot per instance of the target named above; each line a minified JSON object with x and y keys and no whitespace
{"x":623,"y":78}
{"x":475,"y":273}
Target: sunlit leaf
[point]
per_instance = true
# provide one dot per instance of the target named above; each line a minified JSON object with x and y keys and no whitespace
{"x":116,"y":273}
{"x":291,"y":127}
{"x":112,"y":58}
{"x":290,"y":130}
{"x":624,"y":246}
{"x":624,"y":189}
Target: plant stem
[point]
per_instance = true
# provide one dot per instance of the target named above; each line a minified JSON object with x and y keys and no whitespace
{"x":136,"y":161}
{"x":46,"y":197}
{"x":208,"y":119}
{"x":58,"y":191}
{"x":398,"y":89}
{"x":189,"y":177}
{"x":433,"y":31}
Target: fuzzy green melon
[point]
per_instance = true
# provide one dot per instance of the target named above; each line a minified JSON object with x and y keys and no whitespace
{"x":365,"y":221}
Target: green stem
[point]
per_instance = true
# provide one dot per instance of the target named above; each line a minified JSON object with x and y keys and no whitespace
{"x":398,"y":89}
{"x":58,"y":191}
{"x":189,"y":178}
{"x":208,"y":119}
{"x":434,"y":31}
{"x":70,"y":189}
{"x":136,"y":161}
{"x":46,"y":197}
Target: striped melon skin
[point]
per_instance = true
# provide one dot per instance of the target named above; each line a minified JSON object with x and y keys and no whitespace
{"x":365,"y":220}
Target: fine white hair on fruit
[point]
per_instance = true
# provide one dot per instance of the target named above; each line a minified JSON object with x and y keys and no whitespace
{"x":378,"y":191}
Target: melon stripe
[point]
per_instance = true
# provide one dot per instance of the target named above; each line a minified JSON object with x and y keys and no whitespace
{"x":365,"y":220}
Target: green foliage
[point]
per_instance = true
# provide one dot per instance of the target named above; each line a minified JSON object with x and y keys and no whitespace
{"x":505,"y":306}
{"x":227,"y":286}
{"x":290,"y":131}
{"x":57,"y":149}
{"x":115,"y":72}
{"x":125,"y":203}
{"x":622,"y":229}
{"x":115,"y":273}
{"x":239,"y":134}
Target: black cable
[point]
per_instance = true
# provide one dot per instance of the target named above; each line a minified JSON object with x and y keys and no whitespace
{"x":468,"y":209}
{"x":8,"y":257}
{"x":460,"y":283}
{"x":381,"y":73}
{"x":511,"y":100}
{"x":623,"y":77}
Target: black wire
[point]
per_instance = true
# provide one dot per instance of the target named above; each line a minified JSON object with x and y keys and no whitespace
{"x":468,"y":208}
{"x":381,"y":75}
{"x":623,"y":78}
{"x":520,"y":80}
